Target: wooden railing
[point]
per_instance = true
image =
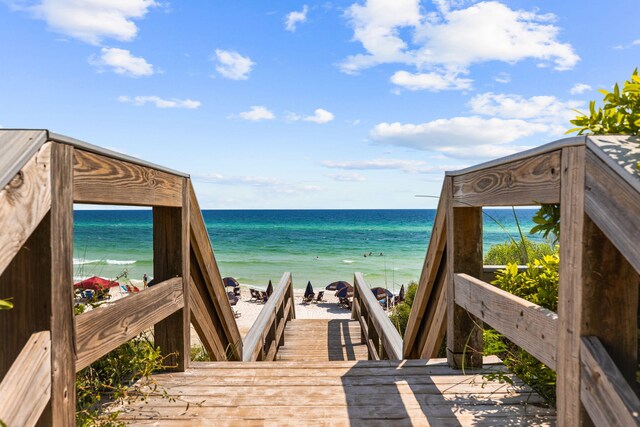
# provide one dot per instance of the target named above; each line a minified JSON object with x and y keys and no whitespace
{"x":592,"y":341}
{"x":267,"y":333}
{"x":42,"y":175}
{"x":381,"y":337}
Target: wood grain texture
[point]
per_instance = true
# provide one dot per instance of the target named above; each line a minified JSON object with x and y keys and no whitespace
{"x":390,"y":339}
{"x":63,"y":350}
{"x":605,"y":393}
{"x":426,"y":297}
{"x":613,"y":204}
{"x":103,"y":329}
{"x":205,"y":322}
{"x":464,"y":255}
{"x":26,"y":389}
{"x":102,"y":180}
{"x":529,"y":326}
{"x":204,"y":264}
{"x":24,"y":201}
{"x":610,"y":299}
{"x":17,"y":147}
{"x":570,"y":295}
{"x":530,"y":181}
{"x":257,"y":338}
{"x":437,"y":326}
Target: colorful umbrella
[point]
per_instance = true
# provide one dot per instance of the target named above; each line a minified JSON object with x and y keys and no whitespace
{"x":336,"y":286}
{"x":346,"y":292}
{"x":96,"y":283}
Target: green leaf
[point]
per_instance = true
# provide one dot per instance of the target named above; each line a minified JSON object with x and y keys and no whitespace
{"x":573,"y":130}
{"x":5,"y":304}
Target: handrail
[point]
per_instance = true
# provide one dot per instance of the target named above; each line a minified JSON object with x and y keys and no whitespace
{"x":381,"y":337}
{"x":26,"y":388}
{"x":267,"y":332}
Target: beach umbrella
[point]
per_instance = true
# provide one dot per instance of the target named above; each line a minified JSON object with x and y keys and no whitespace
{"x":269,"y":289}
{"x":230,"y":282}
{"x":335,"y":286}
{"x":381,"y":293}
{"x":401,"y":294}
{"x":308,"y":292}
{"x":96,"y":283}
{"x":346,"y":292}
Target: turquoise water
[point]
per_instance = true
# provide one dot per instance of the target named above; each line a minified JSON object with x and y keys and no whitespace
{"x":256,"y":246}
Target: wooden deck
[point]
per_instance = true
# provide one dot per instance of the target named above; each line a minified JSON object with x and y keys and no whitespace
{"x":317,"y":340}
{"x":414,"y":392}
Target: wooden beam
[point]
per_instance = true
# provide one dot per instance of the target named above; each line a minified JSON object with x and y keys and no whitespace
{"x":530,"y":181}
{"x":125,"y":319}
{"x":63,"y":350}
{"x":570,"y":411}
{"x":205,"y":321}
{"x":464,"y":255}
{"x":384,"y":329}
{"x":613,"y":204}
{"x":424,"y":298}
{"x":206,"y":263}
{"x":26,"y":389}
{"x":24,"y":201}
{"x":528,"y":325}
{"x":437,"y":326}
{"x":100,"y":179}
{"x":605,"y":393}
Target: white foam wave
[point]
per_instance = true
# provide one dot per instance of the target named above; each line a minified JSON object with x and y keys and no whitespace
{"x":348,"y":261}
{"x":82,"y":261}
{"x":120,"y":262}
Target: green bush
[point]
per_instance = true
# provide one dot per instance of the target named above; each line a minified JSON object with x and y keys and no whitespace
{"x":400,"y":315}
{"x":510,"y":251}
{"x":539,"y":285}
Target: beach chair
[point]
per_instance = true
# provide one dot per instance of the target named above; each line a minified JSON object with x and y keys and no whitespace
{"x":309,"y":298}
{"x":255,"y":295}
{"x":264,"y":297}
{"x":124,"y":289}
{"x":320,"y":296}
{"x":236,"y":313}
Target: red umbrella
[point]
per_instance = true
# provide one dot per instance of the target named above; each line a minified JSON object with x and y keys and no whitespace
{"x":96,"y":283}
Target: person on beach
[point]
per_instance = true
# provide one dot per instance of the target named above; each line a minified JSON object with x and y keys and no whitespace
{"x":145,"y":279}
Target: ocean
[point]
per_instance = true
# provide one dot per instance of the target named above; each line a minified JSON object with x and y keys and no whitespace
{"x":256,"y":246}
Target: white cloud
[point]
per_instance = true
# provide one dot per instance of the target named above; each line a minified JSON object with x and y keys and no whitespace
{"x":347,"y":177}
{"x":517,"y":107}
{"x":448,"y":41}
{"x":255,"y":114}
{"x":120,"y":61}
{"x":232,"y":65}
{"x":502,"y":77}
{"x":430,"y":81}
{"x":636,"y":42}
{"x":264,"y":184}
{"x":580,"y":88}
{"x":294,"y":18}
{"x":457,"y":135}
{"x":160,"y":102}
{"x":320,"y":116}
{"x":93,"y":20}
{"x":413,"y":166}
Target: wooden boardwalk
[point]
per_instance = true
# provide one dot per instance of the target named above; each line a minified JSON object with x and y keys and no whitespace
{"x":367,"y":393}
{"x":317,"y":340}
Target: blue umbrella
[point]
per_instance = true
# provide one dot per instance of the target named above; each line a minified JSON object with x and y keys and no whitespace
{"x":346,"y":292}
{"x":308,"y":292}
{"x":336,"y":286}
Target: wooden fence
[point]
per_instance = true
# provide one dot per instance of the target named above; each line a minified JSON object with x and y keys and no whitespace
{"x":43,"y":344}
{"x":267,"y":332}
{"x":381,"y":336}
{"x":592,"y":341}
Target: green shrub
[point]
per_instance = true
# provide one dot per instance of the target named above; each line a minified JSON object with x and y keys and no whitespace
{"x":510,"y":251}
{"x":539,"y":285}
{"x":400,"y":315}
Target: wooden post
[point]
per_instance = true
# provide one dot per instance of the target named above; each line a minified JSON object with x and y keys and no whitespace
{"x":570,"y":292}
{"x":464,"y":255}
{"x":170,"y":259}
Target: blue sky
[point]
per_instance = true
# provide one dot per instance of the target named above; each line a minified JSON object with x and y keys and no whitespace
{"x":290,"y":104}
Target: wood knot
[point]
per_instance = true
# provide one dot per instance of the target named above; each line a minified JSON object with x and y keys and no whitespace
{"x":17,"y":181}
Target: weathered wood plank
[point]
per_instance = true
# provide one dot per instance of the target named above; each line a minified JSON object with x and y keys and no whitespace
{"x":612,"y":203}
{"x":17,"y":147}
{"x":530,"y":181}
{"x":103,"y":329}
{"x":528,"y":325}
{"x":570,"y":298}
{"x":464,"y":255}
{"x":205,"y":322}
{"x":24,"y":201}
{"x":171,"y":334}
{"x":605,"y":393}
{"x":63,"y":350}
{"x":423,"y":300}
{"x":435,"y":323}
{"x":100,"y":179}
{"x":26,"y":389}
{"x":205,"y":262}
{"x":389,"y":336}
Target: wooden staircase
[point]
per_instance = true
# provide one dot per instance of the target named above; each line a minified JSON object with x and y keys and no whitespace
{"x":322,"y":340}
